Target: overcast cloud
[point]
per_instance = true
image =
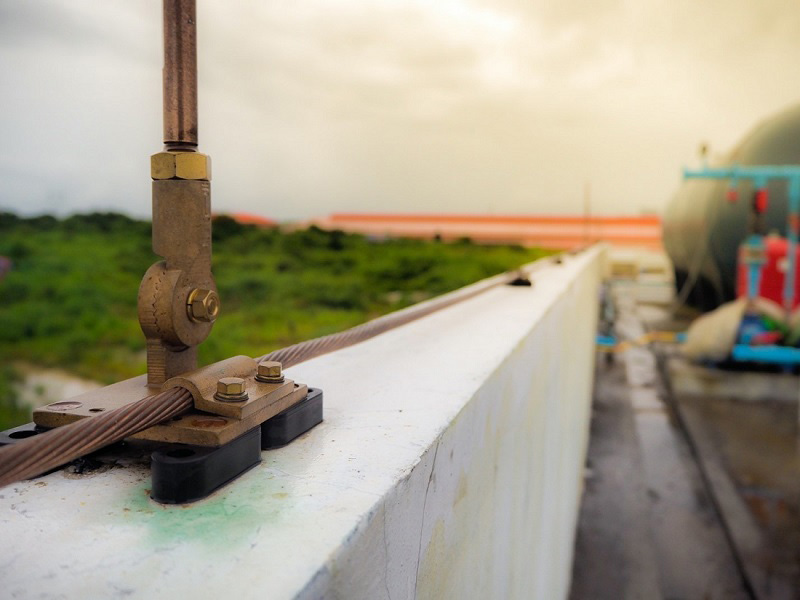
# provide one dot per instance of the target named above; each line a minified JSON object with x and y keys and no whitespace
{"x":391,"y":105}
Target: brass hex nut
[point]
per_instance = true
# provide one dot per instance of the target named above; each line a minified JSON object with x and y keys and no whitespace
{"x":231,"y":389}
{"x":270,"y":371}
{"x":230,"y":386}
{"x":180,"y":165}
{"x":203,"y":305}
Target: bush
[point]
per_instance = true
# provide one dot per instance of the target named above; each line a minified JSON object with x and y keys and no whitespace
{"x":70,"y":299}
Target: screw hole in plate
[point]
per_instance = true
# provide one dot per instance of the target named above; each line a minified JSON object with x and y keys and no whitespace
{"x":96,"y":410}
{"x":18,"y":435}
{"x":65,"y":405}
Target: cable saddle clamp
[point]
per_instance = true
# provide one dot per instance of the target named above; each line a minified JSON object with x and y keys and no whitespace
{"x":240,"y":408}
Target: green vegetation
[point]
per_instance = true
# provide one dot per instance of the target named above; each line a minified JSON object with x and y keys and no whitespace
{"x":69,"y":300}
{"x":11,"y":413}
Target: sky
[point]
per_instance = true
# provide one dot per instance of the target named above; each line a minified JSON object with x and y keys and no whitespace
{"x":443,"y":106}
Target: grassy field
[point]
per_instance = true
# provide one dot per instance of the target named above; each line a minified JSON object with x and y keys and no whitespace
{"x":69,"y":300}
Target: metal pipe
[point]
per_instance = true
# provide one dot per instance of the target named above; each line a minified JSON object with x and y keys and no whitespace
{"x":180,"y":75}
{"x":793,"y":227}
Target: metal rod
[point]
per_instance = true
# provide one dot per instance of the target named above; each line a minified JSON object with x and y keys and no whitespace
{"x":793,"y":223}
{"x":180,"y":75}
{"x":761,"y":174}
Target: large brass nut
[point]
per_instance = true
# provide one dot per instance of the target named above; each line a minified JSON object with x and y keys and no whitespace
{"x":180,"y":165}
{"x":203,"y":305}
{"x":231,"y":389}
{"x":270,"y":371}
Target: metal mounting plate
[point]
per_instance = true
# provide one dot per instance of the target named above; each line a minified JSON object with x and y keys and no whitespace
{"x":202,"y":383}
{"x":92,"y":403}
{"x":19,"y":433}
{"x":203,"y":429}
{"x":196,"y":427}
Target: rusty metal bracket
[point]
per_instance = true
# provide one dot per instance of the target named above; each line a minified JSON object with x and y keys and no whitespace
{"x":178,"y":301}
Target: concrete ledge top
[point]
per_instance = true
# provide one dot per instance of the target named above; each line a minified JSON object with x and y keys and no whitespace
{"x":387,"y":401}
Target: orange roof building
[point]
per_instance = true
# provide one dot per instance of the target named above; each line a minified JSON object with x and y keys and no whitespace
{"x":251,"y":219}
{"x":558,"y":232}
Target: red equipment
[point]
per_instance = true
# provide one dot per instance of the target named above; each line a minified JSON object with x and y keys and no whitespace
{"x":773,"y":271}
{"x":760,"y":201}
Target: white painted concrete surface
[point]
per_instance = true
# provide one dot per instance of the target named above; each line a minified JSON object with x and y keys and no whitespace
{"x":449,"y":465}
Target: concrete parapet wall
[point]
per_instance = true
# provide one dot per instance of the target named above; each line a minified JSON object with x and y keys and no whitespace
{"x":449,"y":465}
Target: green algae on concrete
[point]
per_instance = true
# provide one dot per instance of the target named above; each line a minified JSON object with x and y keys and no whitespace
{"x":230,"y":516}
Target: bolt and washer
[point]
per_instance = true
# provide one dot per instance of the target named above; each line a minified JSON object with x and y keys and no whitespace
{"x":203,"y":305}
{"x":231,"y":389}
{"x":270,"y":371}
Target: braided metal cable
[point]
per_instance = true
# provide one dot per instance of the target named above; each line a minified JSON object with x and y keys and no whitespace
{"x":297,"y":353}
{"x":38,"y":454}
{"x":41,"y":453}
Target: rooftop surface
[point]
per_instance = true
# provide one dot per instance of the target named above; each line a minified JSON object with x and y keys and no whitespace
{"x":690,"y":492}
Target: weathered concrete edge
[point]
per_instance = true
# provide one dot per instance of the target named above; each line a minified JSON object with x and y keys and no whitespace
{"x":424,"y":538}
{"x":463,"y":376}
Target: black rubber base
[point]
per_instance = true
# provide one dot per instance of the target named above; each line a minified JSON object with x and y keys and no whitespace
{"x":183,"y":473}
{"x":520,"y":280}
{"x":293,"y":422}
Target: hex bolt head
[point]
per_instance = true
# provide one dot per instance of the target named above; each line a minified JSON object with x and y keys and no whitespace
{"x":180,"y":165}
{"x":202,"y":306}
{"x":270,"y":371}
{"x":231,"y":389}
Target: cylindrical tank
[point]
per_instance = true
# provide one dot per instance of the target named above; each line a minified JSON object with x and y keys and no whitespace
{"x":703,"y":230}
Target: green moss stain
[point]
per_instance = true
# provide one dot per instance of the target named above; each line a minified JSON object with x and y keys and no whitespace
{"x":230,"y":517}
